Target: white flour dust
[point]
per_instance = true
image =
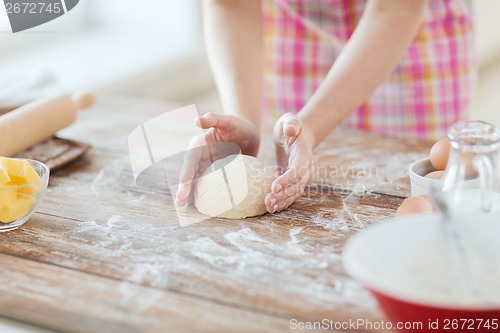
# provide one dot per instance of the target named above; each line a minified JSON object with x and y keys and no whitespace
{"x":287,"y":261}
{"x":116,"y":240}
{"x":107,"y":177}
{"x":96,"y":182}
{"x":293,"y":236}
{"x":142,"y":298}
{"x":112,"y":220}
{"x":271,"y":263}
{"x":341,"y":222}
{"x":335,"y":225}
{"x":346,"y":210}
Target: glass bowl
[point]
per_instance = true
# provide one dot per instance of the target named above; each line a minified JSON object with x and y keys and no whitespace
{"x":28,"y":197}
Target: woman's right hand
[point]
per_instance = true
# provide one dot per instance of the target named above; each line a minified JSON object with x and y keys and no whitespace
{"x":221,"y":128}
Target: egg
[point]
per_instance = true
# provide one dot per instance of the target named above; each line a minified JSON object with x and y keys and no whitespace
{"x":415,"y":205}
{"x":435,"y":175}
{"x":439,"y":154}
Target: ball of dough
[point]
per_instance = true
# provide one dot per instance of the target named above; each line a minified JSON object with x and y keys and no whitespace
{"x":234,"y":187}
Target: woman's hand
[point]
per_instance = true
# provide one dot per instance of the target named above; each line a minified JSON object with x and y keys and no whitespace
{"x":294,"y":146}
{"x":210,"y":146}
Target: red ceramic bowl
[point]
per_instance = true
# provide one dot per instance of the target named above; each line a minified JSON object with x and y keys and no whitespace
{"x":405,"y":316}
{"x":411,"y":268}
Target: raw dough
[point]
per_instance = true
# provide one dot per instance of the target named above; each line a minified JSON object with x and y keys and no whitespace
{"x":234,"y":187}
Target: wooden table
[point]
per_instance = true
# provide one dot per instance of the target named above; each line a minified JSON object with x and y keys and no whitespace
{"x":103,"y":255}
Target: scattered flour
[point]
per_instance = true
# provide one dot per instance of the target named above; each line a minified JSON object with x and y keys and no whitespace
{"x":96,"y":182}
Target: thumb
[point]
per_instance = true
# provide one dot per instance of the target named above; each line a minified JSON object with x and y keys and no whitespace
{"x":289,"y":125}
{"x":292,"y":126}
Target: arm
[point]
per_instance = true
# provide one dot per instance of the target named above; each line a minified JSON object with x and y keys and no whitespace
{"x":384,"y":33}
{"x":233,"y":34}
{"x":233,"y":37}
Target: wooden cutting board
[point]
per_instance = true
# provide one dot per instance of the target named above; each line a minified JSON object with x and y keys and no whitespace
{"x":55,"y":152}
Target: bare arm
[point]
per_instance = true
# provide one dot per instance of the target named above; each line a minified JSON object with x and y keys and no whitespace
{"x":233,"y":37}
{"x":384,"y":33}
{"x":381,"y":38}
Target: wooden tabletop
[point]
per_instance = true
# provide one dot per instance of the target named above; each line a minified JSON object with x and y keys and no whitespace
{"x":104,"y":255}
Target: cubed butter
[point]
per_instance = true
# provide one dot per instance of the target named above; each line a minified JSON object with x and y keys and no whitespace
{"x":8,"y":194}
{"x":21,"y":172}
{"x":16,"y":209}
{"x":4,"y":175}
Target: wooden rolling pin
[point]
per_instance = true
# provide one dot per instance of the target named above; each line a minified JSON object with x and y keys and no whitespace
{"x":39,"y":120}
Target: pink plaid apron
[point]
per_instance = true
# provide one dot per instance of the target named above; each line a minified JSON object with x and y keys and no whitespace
{"x":429,"y":90}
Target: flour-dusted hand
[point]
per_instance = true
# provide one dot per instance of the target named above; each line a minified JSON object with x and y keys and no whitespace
{"x":225,"y":135}
{"x":294,"y":145}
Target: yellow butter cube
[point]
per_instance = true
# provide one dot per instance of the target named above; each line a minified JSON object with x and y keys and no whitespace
{"x":17,"y":209}
{"x":7,"y":194}
{"x":21,"y":172}
{"x":4,"y":175}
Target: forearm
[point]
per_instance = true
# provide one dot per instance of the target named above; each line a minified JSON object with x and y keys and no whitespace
{"x":384,"y":33}
{"x":233,"y":37}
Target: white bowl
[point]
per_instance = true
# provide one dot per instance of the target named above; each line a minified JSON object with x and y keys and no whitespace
{"x":421,"y":185}
{"x":417,"y":171}
{"x":412,"y":267}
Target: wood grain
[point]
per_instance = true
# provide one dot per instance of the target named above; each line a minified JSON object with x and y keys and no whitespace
{"x":104,"y":255}
{"x":72,"y":301}
{"x":55,"y":152}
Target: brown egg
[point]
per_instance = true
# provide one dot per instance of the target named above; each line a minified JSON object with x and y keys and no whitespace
{"x":439,"y":154}
{"x":415,"y":205}
{"x":435,"y":175}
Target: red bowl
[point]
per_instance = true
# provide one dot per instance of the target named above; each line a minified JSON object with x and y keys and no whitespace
{"x":382,"y":258}
{"x":427,"y":318}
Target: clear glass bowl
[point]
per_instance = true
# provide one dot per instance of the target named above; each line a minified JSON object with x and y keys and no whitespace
{"x":30,"y":194}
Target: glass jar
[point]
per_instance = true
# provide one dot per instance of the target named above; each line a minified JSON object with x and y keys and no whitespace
{"x":471,"y":181}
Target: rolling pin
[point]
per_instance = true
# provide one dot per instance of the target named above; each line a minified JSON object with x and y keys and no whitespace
{"x":39,"y":120}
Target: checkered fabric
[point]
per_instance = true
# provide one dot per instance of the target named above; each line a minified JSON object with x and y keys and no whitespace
{"x":429,"y":90}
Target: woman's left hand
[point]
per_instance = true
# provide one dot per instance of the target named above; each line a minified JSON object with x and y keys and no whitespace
{"x":294,"y":146}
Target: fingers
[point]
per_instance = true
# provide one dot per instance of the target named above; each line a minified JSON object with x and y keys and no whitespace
{"x":288,"y":191}
{"x":183,"y":193}
{"x":190,"y":166}
{"x":299,"y":165}
{"x":291,"y":176}
{"x":285,"y":133}
{"x":287,"y":128}
{"x":225,"y":136}
{"x":273,"y":199}
{"x":292,"y":126}
{"x":278,"y":202}
{"x":209,"y":120}
{"x":294,"y":154}
{"x":215,"y":120}
{"x":292,"y":183}
{"x":288,"y":202}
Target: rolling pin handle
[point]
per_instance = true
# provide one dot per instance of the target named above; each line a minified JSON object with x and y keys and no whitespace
{"x":84,"y":100}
